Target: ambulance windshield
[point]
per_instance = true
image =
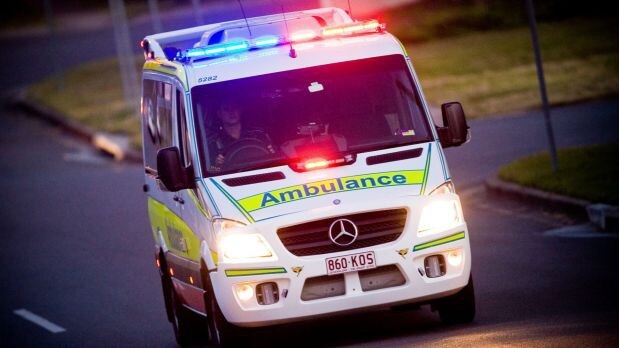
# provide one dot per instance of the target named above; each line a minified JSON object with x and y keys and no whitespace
{"x":326,"y":112}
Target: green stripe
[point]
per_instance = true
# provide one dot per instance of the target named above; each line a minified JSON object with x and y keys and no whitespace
{"x":445,"y":240}
{"x":210,"y":197}
{"x":426,"y":170}
{"x":342,"y":184}
{"x":248,"y":272}
{"x":198,"y":205}
{"x":233,"y":201}
{"x":178,"y":236}
{"x":441,"y":156}
{"x":178,"y":71}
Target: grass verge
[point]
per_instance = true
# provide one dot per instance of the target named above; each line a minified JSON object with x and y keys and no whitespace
{"x":93,"y":96}
{"x":584,"y":172}
{"x":494,"y":72}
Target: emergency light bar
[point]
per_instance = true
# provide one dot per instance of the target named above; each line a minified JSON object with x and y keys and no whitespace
{"x":353,"y":28}
{"x":217,"y":50}
{"x":303,"y":35}
{"x":266,"y":41}
{"x":212,"y":51}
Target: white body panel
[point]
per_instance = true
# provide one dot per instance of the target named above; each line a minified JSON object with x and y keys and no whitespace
{"x":417,"y":288}
{"x":221,"y":201}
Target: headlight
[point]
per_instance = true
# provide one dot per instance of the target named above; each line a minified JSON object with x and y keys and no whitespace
{"x":447,"y":187}
{"x":225,"y":226}
{"x":236,"y":245}
{"x":439,"y":215}
{"x":244,"y":246}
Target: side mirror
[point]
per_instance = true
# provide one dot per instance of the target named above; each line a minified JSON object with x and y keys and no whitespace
{"x":170,"y":170}
{"x":455,"y":130}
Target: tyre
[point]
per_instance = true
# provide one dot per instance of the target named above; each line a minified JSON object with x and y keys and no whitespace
{"x":458,"y":308}
{"x":189,"y":327}
{"x":221,"y":332}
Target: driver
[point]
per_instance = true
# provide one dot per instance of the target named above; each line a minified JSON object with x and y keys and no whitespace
{"x":230,"y":131}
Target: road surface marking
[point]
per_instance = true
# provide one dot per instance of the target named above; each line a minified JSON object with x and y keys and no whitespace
{"x":46,"y":324}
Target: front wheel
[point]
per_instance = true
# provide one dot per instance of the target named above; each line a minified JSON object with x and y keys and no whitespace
{"x":221,"y":332}
{"x":188,"y":327}
{"x":458,"y":308}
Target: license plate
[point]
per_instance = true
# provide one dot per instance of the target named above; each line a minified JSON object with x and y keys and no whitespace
{"x":350,"y":263}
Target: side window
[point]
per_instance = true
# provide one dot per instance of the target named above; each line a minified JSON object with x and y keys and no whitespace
{"x":156,"y":119}
{"x":183,"y":132}
{"x":149,"y":123}
{"x":164,"y":114}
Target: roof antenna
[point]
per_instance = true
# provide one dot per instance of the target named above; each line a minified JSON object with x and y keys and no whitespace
{"x":245,"y":17}
{"x":349,"y":9}
{"x":293,"y":52}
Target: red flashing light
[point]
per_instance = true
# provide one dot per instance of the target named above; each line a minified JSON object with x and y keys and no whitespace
{"x":144,"y":45}
{"x":315,"y":163}
{"x":320,"y":163}
{"x":303,"y":35}
{"x":372,"y":25}
{"x":353,"y":28}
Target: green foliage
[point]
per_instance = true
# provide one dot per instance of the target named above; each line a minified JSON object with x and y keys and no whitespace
{"x":584,"y":172}
{"x":493,"y":72}
{"x":432,"y":19}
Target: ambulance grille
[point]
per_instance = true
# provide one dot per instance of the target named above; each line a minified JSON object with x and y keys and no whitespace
{"x":312,"y":238}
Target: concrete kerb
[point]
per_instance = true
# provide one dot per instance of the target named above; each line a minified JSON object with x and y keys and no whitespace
{"x":112,"y":145}
{"x":604,"y":217}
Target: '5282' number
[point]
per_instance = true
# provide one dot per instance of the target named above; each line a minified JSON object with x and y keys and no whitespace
{"x":207,"y":79}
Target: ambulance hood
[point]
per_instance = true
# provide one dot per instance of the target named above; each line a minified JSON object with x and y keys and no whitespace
{"x":239,"y":197}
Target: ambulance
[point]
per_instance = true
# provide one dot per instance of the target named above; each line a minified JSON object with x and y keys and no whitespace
{"x":293,"y":171}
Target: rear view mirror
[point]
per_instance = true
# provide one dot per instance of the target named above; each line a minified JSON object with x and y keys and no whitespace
{"x":455,"y":130}
{"x":171,"y":171}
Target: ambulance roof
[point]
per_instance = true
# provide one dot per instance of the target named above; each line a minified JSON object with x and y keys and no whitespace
{"x":261,"y":45}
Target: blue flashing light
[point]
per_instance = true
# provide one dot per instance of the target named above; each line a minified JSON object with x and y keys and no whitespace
{"x":217,"y":50}
{"x":237,"y":47}
{"x":266,"y":41}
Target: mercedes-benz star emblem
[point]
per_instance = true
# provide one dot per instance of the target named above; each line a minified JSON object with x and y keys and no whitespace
{"x":343,"y":232}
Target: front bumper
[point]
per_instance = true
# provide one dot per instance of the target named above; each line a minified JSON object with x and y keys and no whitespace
{"x":405,"y":279}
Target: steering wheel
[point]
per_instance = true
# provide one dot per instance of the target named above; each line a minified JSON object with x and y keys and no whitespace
{"x":244,"y":150}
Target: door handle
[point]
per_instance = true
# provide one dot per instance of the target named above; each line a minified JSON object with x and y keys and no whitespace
{"x":179,"y":199}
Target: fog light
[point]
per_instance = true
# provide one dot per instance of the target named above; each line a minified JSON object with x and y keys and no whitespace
{"x":435,"y":266}
{"x":454,"y":258}
{"x":267,"y":293}
{"x":244,"y":292}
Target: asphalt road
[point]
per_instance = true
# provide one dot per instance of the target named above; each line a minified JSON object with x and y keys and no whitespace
{"x":76,"y":251}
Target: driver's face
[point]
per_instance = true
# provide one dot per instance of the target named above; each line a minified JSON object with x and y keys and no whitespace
{"x":229,"y":114}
